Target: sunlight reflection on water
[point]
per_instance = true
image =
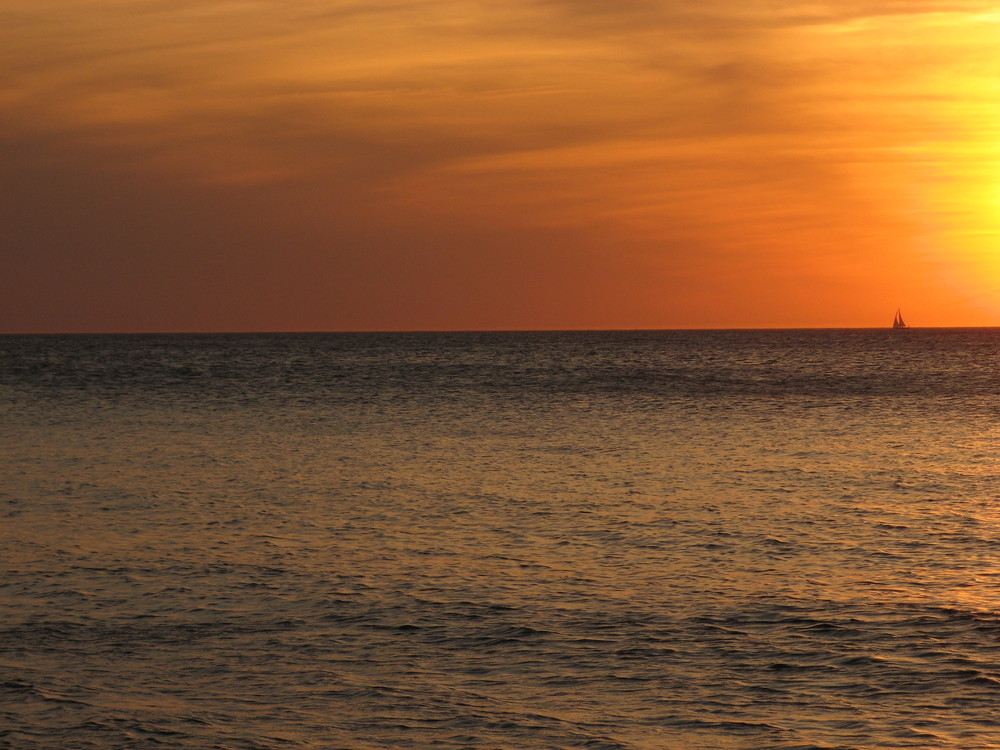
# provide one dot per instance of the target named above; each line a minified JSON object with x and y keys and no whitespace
{"x":622,"y":540}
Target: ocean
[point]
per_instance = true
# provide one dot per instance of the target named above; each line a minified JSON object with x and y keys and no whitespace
{"x":600,"y":540}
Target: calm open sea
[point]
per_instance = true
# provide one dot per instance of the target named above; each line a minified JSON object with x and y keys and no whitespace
{"x":614,"y":540}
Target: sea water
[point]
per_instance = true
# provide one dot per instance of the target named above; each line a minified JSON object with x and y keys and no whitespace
{"x":604,"y":540}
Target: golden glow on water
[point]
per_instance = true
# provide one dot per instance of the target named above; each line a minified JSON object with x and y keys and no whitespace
{"x":644,"y":539}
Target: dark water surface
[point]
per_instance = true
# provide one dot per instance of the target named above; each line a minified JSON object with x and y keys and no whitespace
{"x":629,"y":540}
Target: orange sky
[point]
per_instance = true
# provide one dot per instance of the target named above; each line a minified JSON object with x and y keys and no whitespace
{"x":449,"y":164}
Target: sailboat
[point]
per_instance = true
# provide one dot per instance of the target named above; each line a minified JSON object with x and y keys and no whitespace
{"x":897,"y":322}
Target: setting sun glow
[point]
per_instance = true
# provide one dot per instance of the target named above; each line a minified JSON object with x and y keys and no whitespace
{"x":449,"y":164}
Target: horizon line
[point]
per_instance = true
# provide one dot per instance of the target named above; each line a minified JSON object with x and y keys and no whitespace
{"x":472,"y":330}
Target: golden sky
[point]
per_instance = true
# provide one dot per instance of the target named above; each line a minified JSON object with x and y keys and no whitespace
{"x":497,"y":164}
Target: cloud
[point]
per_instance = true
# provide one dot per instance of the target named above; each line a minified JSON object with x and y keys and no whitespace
{"x":417,"y":126}
{"x":231,"y":92}
{"x":739,"y":15}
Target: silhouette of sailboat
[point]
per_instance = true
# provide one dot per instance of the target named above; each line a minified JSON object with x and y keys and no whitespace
{"x":897,"y":322}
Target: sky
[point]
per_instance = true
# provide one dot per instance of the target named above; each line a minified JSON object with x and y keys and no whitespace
{"x":326,"y":165}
